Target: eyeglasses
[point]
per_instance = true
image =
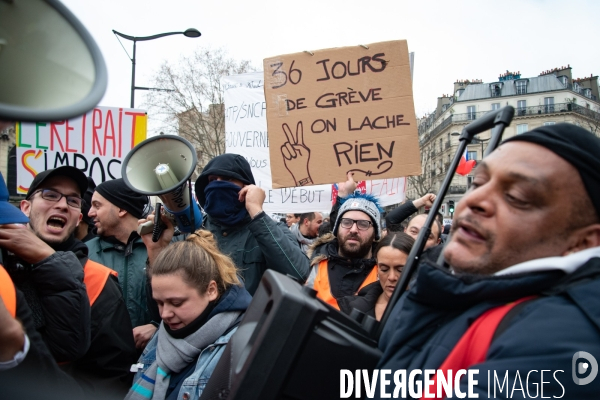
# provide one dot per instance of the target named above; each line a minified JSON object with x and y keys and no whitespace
{"x":361,"y":224}
{"x":54,"y":196}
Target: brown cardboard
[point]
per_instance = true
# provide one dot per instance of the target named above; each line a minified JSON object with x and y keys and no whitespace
{"x":370,"y":132}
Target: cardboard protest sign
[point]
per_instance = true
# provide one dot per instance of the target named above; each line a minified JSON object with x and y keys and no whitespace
{"x":338,"y":110}
{"x":96,"y":143}
{"x":246,"y":134}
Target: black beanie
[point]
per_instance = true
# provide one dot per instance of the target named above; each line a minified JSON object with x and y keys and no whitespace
{"x":577,"y":146}
{"x":229,"y":165}
{"x":119,"y":194}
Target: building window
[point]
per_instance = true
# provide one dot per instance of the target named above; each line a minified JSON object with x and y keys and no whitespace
{"x":521,"y":107}
{"x":576,"y":87}
{"x":496,"y":90}
{"x":471,"y":155}
{"x":521,"y":87}
{"x":587,"y":93}
{"x":564,"y":80}
{"x":469,"y":181}
{"x":548,"y":104}
{"x":471,"y":114}
{"x":521,"y":128}
{"x":495,"y":106}
{"x":459,"y":92}
{"x":549,"y":123}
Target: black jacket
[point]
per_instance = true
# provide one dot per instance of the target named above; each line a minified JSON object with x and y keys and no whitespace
{"x":38,"y":375}
{"x":57,"y":297}
{"x":428,"y":321}
{"x":364,"y":301}
{"x":112,"y":350}
{"x":399,"y":214}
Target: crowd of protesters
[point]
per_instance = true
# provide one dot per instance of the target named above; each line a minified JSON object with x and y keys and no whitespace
{"x":91,"y":309}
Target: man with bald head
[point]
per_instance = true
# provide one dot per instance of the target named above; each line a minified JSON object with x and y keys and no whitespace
{"x":525,"y":249}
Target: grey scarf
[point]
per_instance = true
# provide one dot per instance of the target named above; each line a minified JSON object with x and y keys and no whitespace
{"x":302,"y":240}
{"x":173,"y":355}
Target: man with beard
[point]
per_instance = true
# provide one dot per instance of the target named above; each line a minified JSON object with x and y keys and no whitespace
{"x":233,"y":204}
{"x":342,"y":262}
{"x":521,"y":296}
{"x":51,"y":269}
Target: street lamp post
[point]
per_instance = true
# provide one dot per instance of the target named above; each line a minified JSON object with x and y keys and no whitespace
{"x":481,"y":141}
{"x":474,"y":141}
{"x":191,"y":33}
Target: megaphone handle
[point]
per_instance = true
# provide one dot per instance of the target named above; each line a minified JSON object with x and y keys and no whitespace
{"x":159,"y":225}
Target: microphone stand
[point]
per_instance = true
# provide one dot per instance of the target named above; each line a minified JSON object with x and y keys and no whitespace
{"x":495,"y":120}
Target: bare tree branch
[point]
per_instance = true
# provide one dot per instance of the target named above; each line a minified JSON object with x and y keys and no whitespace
{"x":194,"y":108}
{"x":421,"y":184}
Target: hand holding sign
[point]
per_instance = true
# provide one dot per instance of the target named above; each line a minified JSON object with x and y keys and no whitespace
{"x":296,"y":155}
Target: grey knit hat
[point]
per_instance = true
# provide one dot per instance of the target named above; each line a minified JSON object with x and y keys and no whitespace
{"x":365,"y":203}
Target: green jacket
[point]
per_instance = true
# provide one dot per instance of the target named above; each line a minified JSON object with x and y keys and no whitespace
{"x":260,"y":244}
{"x":130,"y":263}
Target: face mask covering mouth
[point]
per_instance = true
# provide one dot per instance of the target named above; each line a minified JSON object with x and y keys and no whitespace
{"x":222,"y":202}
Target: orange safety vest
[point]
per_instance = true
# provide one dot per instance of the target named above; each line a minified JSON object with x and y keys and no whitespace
{"x":95,"y":276}
{"x":324,"y":289}
{"x":8,"y":294}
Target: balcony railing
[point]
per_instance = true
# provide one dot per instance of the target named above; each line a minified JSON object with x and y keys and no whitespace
{"x":441,"y":126}
{"x":556,"y":108}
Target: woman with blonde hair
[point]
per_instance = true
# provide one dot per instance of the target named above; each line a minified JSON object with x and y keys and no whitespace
{"x":201,"y":301}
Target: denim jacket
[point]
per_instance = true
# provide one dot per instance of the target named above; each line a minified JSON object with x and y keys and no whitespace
{"x":193,"y":385}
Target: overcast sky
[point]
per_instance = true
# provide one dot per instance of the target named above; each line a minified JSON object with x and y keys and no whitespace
{"x":470,"y":39}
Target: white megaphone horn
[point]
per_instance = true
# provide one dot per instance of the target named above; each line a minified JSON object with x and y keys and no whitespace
{"x":161,"y":166}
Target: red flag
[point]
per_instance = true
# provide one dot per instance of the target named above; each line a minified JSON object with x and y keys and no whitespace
{"x":464,"y":166}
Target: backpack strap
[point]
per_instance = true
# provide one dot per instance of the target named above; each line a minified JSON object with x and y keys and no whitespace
{"x":510,"y":315}
{"x":474,"y":344}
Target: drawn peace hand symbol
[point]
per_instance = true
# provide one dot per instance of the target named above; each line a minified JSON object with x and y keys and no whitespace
{"x":296,"y":155}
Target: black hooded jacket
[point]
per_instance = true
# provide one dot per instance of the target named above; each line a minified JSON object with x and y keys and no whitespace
{"x":255,"y":244}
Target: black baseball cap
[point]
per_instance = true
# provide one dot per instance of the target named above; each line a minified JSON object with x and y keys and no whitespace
{"x":70,"y":172}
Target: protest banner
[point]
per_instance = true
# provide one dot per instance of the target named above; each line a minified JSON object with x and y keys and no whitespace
{"x":246,"y":134}
{"x":338,"y":110}
{"x":96,"y":143}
